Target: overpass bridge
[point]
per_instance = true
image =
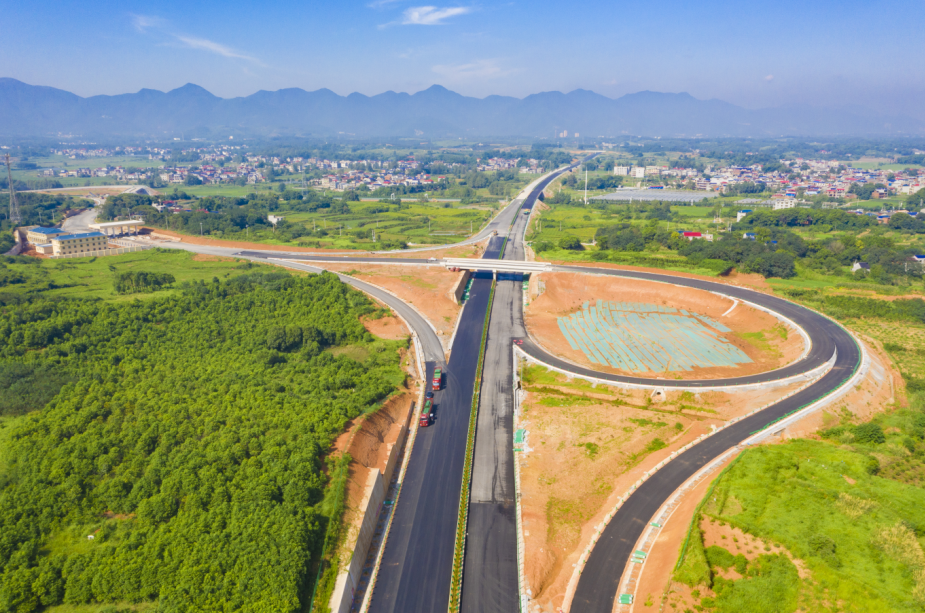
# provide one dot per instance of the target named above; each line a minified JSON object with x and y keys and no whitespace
{"x":496,"y":266}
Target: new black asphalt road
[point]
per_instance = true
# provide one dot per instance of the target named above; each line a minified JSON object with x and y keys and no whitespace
{"x":599,"y":582}
{"x":490,"y":569}
{"x":490,"y":581}
{"x":416,"y":568}
{"x":418,"y":559}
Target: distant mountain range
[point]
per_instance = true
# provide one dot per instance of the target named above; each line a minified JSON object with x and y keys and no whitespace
{"x":191,"y":111}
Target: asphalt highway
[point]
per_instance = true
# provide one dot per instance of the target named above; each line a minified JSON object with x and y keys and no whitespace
{"x":417,"y":563}
{"x":418,"y":560}
{"x":490,"y":568}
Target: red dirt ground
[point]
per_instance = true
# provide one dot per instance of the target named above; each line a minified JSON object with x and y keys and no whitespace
{"x":565,"y":293}
{"x":561,"y":512}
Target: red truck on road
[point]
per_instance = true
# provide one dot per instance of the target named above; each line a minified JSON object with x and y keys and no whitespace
{"x":438,"y":379}
{"x":427,"y":414}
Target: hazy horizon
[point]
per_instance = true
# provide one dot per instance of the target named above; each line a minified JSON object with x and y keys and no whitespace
{"x":823,"y":54}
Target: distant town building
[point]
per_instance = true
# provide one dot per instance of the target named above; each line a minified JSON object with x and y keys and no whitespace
{"x":621,"y":171}
{"x":860,"y":266}
{"x":742,"y":214}
{"x":639,"y":172}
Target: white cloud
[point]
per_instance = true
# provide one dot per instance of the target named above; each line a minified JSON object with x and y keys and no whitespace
{"x":375,"y":4}
{"x":480,"y":69}
{"x":212,"y":47}
{"x":770,"y":77}
{"x":431,"y":15}
{"x":143,"y":22}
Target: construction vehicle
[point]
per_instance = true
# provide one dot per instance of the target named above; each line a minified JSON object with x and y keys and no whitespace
{"x":427,"y":414}
{"x":438,"y":379}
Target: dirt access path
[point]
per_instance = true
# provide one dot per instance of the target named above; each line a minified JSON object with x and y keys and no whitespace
{"x":759,"y":335}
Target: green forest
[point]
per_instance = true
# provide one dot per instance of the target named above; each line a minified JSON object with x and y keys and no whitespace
{"x":174,"y":449}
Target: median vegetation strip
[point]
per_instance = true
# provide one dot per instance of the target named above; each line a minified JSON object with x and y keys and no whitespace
{"x":459,"y":551}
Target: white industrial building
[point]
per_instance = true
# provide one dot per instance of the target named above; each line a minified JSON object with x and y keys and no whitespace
{"x":117,"y":228}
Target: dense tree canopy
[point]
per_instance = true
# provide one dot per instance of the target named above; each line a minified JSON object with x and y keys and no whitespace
{"x":187,"y":440}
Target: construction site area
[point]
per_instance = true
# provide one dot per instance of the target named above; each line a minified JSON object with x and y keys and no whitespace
{"x":644,"y":328}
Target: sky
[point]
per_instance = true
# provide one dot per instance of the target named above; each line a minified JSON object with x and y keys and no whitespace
{"x":757,"y":55}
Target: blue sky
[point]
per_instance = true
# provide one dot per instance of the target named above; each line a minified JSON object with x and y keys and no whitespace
{"x":753,"y":54}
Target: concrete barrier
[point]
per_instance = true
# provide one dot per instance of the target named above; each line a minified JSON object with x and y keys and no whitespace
{"x":349,"y":577}
{"x":373,"y":497}
{"x":20,"y":246}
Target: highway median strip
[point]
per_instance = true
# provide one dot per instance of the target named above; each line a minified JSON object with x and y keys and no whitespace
{"x":459,"y":551}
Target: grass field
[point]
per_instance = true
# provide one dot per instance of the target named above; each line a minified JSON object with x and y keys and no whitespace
{"x":93,"y":277}
{"x":825,"y":503}
{"x":416,"y":223}
{"x":231,"y":191}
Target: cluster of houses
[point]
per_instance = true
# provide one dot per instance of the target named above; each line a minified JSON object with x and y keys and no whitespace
{"x":212,"y":167}
{"x":375,"y":174}
{"x":799,"y":178}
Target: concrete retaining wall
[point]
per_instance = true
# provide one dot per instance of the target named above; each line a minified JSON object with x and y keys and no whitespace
{"x":349,"y":577}
{"x":100,"y":253}
{"x":460,"y":286}
{"x":373,"y":497}
{"x":20,"y":238}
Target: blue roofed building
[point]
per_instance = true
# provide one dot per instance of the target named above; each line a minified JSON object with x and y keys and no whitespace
{"x":40,"y":235}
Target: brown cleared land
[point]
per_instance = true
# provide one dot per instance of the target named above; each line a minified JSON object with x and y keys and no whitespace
{"x":759,"y":335}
